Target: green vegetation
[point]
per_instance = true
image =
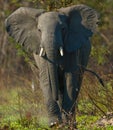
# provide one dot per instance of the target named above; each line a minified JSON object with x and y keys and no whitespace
{"x":19,"y":113}
{"x":23,"y":109}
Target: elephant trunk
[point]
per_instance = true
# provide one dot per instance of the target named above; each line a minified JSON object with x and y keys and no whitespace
{"x":52,"y":67}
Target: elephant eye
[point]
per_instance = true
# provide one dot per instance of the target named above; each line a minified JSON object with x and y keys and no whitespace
{"x":63,"y":30}
{"x":39,"y":30}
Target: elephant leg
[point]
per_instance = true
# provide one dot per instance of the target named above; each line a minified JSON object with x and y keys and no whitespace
{"x":71,"y":90}
{"x":72,"y":83}
{"x":53,"y":109}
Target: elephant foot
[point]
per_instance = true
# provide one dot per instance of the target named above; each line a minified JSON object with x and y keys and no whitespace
{"x":63,"y":126}
{"x":60,"y":126}
{"x":73,"y":126}
{"x":54,"y":122}
{"x":56,"y":125}
{"x":69,"y":121}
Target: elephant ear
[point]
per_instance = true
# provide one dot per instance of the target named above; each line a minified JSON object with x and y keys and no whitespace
{"x":82,"y":22}
{"x":22,"y":26}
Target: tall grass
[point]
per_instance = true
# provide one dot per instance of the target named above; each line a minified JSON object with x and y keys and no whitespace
{"x":21,"y":100}
{"x":96,"y":99}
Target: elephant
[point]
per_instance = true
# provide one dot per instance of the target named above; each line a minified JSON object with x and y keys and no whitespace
{"x":60,"y":44}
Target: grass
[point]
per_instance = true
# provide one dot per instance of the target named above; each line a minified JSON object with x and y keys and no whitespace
{"x":20,"y":111}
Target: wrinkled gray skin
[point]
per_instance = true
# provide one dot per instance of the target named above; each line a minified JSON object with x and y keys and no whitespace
{"x":60,"y":74}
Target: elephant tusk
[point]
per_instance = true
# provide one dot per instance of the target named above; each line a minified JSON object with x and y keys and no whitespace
{"x":61,"y":51}
{"x":41,"y":51}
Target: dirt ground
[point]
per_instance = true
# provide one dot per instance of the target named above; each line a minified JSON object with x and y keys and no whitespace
{"x":106,"y":120}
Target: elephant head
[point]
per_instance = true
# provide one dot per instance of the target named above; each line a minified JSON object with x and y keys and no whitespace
{"x":51,"y":34}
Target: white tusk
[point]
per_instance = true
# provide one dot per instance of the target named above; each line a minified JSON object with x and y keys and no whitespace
{"x":61,"y":51}
{"x":41,"y":51}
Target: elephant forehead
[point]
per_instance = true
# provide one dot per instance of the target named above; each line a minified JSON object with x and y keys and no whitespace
{"x":50,"y":17}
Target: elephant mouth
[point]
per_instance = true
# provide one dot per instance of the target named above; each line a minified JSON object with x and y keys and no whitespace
{"x":42,"y":51}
